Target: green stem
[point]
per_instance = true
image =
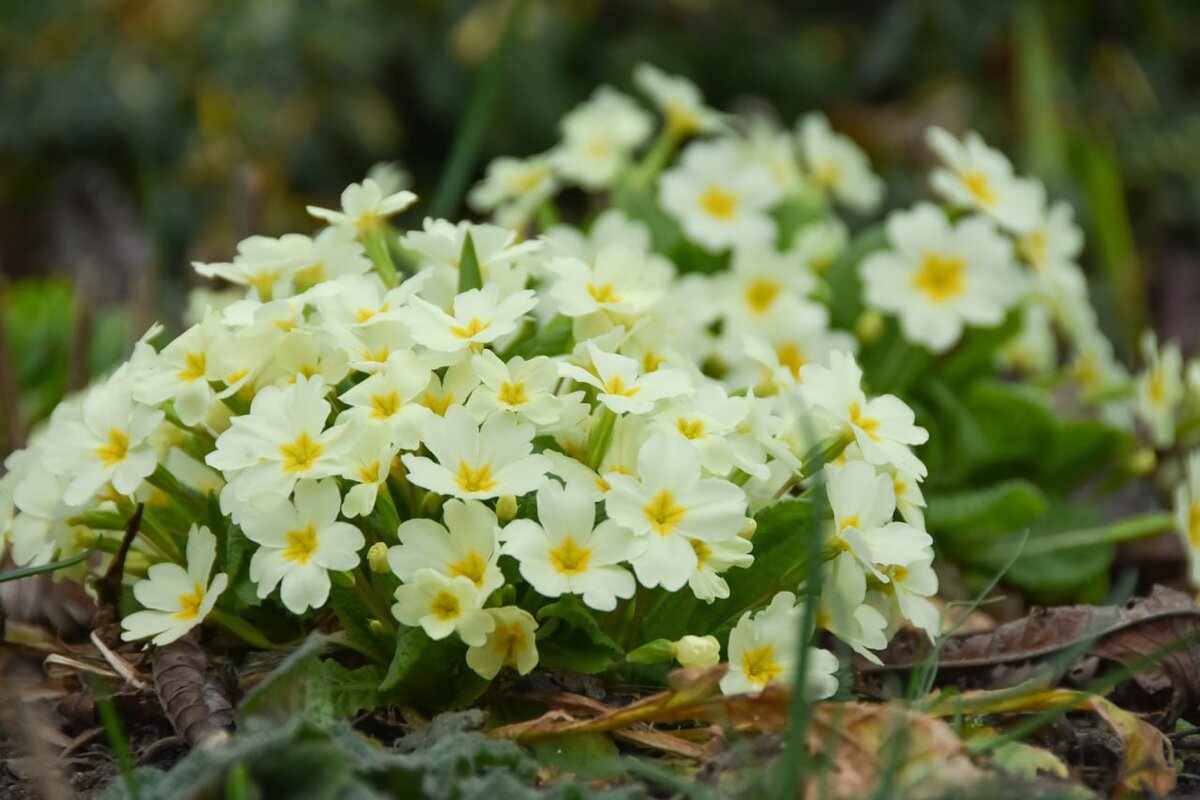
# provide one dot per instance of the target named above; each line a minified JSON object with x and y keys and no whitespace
{"x":366,"y":593}
{"x":374,"y":241}
{"x":600,"y":438}
{"x":387,"y":509}
{"x":816,"y":458}
{"x":655,"y":158}
{"x":547,"y":215}
{"x":1123,"y":531}
{"x":241,"y":629}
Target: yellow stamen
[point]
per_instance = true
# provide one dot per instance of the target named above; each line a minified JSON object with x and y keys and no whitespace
{"x":189,"y":604}
{"x":759,"y":665}
{"x":569,"y":558}
{"x":445,"y":606}
{"x":663,"y":513}
{"x":616,"y":385}
{"x":603,"y":293}
{"x":195,"y":365}
{"x":475,"y":479}
{"x":302,"y":454}
{"x":792,"y":357}
{"x":867,"y":425}
{"x":113,"y":451}
{"x":719,"y":203}
{"x":471,"y":566}
{"x":940,"y":278}
{"x":979,"y":187}
{"x":703,"y":552}
{"x":691,"y":429}
{"x":472,"y":328}
{"x":512,"y":394}
{"x":761,"y":293}
{"x":384,"y":406}
{"x":301,"y":544}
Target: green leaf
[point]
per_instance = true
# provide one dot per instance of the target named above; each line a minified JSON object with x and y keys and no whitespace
{"x":468,"y":266}
{"x":410,"y":644}
{"x":351,"y":691}
{"x":844,"y":282}
{"x":1003,"y":507}
{"x":297,"y":685}
{"x":554,"y":339}
{"x":1079,"y":450}
{"x":355,"y":617}
{"x":573,"y":639}
{"x":975,"y":355}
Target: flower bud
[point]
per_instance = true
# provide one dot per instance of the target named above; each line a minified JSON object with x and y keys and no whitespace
{"x":343,"y":579}
{"x":432,"y":504}
{"x":869,"y":326}
{"x":506,"y":508}
{"x":749,"y":526}
{"x":697,"y":652}
{"x":376,"y":626}
{"x":377,"y":558}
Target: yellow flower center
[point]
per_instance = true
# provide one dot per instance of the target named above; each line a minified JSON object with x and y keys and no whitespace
{"x":703,"y":552}
{"x":1193,"y":530}
{"x":369,"y":473}
{"x":475,"y":479}
{"x":300,"y":455}
{"x":264,"y":282}
{"x":791,"y":357}
{"x":761,"y":294}
{"x":719,"y":203}
{"x":681,"y":119}
{"x":472,"y":328}
{"x":301,"y":544}
{"x":512,"y":394}
{"x":385,"y":405}
{"x":113,"y":451}
{"x":195,"y":365}
{"x":1033,"y":249}
{"x":509,"y":640}
{"x":760,"y":666}
{"x":867,"y":425}
{"x":603,"y":293}
{"x":979,"y":187}
{"x":189,"y":604}
{"x":1158,"y":386}
{"x":437,"y":405}
{"x":828,"y":173}
{"x":616,"y":385}
{"x":663,"y":513}
{"x":445,"y":606}
{"x":471,"y":566}
{"x":569,"y":558}
{"x":651,"y":361}
{"x":691,"y":429}
{"x":851,"y":521}
{"x":940,"y":278}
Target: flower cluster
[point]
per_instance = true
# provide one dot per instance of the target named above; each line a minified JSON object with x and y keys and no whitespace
{"x":499,"y":433}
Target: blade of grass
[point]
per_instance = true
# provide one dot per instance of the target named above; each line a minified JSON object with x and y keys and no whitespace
{"x":465,"y":148}
{"x":41,"y":569}
{"x":116,"y":737}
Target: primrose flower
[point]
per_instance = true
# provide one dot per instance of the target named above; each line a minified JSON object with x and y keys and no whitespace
{"x":1051,"y":247}
{"x":564,"y":552}
{"x":103,"y":440}
{"x":299,"y":541}
{"x":838,"y":165}
{"x":668,"y":505}
{"x":719,"y":201}
{"x":598,"y":138}
{"x":366,"y":465}
{"x":621,"y":280}
{"x":883,"y":427}
{"x":364,"y":206}
{"x":513,"y":188}
{"x":621,"y":387}
{"x":763,"y":648}
{"x":442,"y":605}
{"x":1159,"y":389}
{"x":714,"y":558}
{"x":1187,"y":515}
{"x":980,"y":178}
{"x":678,"y":99}
{"x":466,"y":546}
{"x":477,"y":462}
{"x":388,"y":399}
{"x":438,"y":247}
{"x":938,"y":277}
{"x":184,"y":370}
{"x":176,"y":599}
{"x":282,"y":440}
{"x":524,"y":388}
{"x":479,"y":317}
{"x":511,"y":643}
{"x":763,"y":282}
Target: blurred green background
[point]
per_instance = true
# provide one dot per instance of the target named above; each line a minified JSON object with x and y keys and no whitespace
{"x":138,"y":135}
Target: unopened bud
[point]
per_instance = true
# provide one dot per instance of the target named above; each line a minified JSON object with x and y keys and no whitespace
{"x":342,"y":579}
{"x":377,"y":558}
{"x":869,"y":326}
{"x":749,"y":526}
{"x":432,"y":504}
{"x":1143,"y":461}
{"x":506,"y":508}
{"x":376,"y":626}
{"x":697,"y":652}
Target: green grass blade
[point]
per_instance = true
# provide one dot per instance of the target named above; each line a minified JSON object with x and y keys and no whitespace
{"x":41,"y":569}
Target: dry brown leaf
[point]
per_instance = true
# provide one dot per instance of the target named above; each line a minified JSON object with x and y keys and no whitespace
{"x":1117,"y":634}
{"x":1148,"y":763}
{"x":861,"y":743}
{"x":198,"y":707}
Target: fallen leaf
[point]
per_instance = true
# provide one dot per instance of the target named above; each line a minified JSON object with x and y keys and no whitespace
{"x":1148,"y":763}
{"x":1165,"y":624}
{"x":197,"y":705}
